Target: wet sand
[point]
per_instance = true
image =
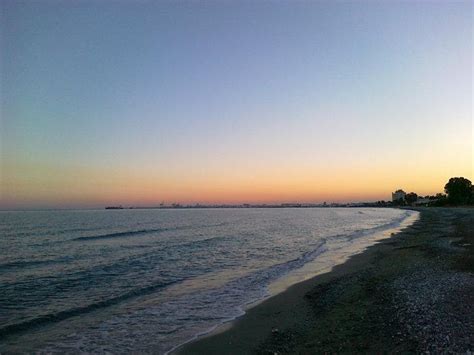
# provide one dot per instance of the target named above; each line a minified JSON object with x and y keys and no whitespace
{"x":413,"y":292}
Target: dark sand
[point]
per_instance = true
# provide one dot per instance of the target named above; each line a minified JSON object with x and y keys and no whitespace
{"x":413,"y":292}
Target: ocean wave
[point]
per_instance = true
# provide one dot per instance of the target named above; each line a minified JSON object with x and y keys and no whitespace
{"x":381,"y":228}
{"x":78,"y":311}
{"x":121,"y":234}
{"x":131,"y":233}
{"x":19,"y":264}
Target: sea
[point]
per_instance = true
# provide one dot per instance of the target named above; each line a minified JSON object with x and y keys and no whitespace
{"x":149,"y":280}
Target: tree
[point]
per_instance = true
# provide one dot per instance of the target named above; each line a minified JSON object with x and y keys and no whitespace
{"x":459,"y":190}
{"x":411,"y":198}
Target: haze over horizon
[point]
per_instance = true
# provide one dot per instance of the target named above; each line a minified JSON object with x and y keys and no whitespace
{"x":135,"y":103}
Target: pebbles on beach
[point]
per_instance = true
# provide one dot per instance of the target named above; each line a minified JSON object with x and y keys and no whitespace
{"x":425,"y":310}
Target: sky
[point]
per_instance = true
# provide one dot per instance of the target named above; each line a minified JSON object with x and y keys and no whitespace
{"x":143,"y":102}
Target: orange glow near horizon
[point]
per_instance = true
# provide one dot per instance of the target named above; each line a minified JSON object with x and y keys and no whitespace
{"x":47,"y":185}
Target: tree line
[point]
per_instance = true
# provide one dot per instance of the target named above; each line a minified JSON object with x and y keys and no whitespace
{"x":459,"y":191}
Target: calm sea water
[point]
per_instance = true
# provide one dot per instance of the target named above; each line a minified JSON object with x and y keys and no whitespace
{"x":148,"y":280}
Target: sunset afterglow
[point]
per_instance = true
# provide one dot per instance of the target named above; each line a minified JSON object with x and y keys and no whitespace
{"x":141,"y":103}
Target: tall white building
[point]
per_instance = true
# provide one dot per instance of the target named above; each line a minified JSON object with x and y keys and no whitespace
{"x":398,"y":195}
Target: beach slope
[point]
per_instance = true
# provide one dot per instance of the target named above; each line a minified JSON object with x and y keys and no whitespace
{"x":413,"y":292}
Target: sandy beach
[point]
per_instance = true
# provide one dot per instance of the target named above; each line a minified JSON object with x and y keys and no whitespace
{"x":413,"y":292}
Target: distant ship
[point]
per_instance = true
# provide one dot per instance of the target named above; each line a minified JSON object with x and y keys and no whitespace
{"x":114,"y":208}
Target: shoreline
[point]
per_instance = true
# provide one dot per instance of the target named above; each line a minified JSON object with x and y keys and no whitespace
{"x":322,"y":264}
{"x":369,"y":296}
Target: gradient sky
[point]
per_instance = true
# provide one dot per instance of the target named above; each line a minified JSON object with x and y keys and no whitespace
{"x":139,"y":102}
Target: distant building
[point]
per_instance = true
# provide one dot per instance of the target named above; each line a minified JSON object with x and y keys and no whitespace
{"x":398,"y":195}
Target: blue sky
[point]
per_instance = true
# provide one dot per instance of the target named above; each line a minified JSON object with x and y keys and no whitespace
{"x":200,"y":93}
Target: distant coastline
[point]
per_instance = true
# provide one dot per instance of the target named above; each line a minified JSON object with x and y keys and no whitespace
{"x":246,"y":205}
{"x":459,"y":192}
